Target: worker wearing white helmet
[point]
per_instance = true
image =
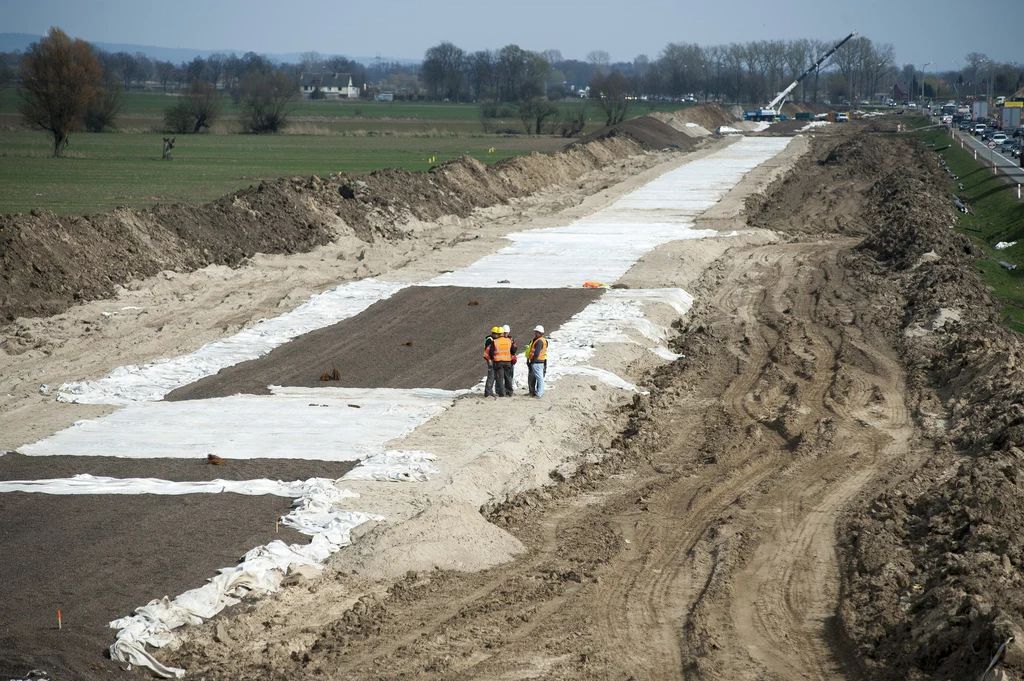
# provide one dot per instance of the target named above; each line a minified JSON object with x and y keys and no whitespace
{"x":537,"y":361}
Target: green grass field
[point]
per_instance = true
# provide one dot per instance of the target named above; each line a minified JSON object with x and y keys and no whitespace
{"x":997,"y":216}
{"x":111,"y":169}
{"x":106,"y":170}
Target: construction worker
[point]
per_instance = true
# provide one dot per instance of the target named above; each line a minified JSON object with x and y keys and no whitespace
{"x":499,"y":355}
{"x":537,"y":361}
{"x":515,"y":356}
{"x":488,"y":342}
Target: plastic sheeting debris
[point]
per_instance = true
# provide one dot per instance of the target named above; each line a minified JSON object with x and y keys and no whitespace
{"x":293,"y":423}
{"x":153,"y":380}
{"x":261,"y":570}
{"x":395,"y":466}
{"x":1003,"y":245}
{"x":665,"y":353}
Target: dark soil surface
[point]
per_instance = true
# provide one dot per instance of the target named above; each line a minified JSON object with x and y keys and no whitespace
{"x":97,"y":558}
{"x":422,"y":337}
{"x":14,"y":466}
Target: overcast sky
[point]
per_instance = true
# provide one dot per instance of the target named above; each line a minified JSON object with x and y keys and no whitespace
{"x":940,"y":31}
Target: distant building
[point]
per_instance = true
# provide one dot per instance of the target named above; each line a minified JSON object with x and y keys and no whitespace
{"x":901,"y":91}
{"x":385,"y":97}
{"x":330,"y":85}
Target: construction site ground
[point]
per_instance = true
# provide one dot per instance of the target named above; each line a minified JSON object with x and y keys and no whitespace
{"x":825,"y":485}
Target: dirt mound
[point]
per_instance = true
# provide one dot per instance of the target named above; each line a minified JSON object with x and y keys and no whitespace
{"x":707,"y":115}
{"x":931,"y":565}
{"x":647,"y":131}
{"x":48,"y":263}
{"x":793,"y":108}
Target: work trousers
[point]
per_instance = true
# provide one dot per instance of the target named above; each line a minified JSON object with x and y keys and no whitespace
{"x":489,"y":383}
{"x":503,"y":378}
{"x":536,"y":377}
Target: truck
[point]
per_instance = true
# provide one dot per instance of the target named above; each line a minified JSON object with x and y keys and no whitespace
{"x":771,"y":112}
{"x":979,"y":110}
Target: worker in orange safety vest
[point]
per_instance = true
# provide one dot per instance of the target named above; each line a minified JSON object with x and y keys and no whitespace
{"x":500,"y":356}
{"x":537,"y":361}
{"x":488,"y":342}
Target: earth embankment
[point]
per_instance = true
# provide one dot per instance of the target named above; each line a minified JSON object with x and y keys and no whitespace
{"x":49,"y":263}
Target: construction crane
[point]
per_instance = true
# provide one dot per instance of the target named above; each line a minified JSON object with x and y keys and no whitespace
{"x":770,"y":112}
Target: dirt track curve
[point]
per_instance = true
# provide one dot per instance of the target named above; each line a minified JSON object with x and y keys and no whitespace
{"x":707,"y":549}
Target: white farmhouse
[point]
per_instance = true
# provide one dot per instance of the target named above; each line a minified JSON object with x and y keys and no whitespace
{"x":331,"y":85}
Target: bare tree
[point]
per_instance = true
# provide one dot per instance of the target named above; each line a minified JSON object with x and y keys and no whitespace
{"x":799,"y":56}
{"x":311,"y":62}
{"x":59,"y":77}
{"x":215,"y":67}
{"x":610,"y":92}
{"x":573,"y":121}
{"x":198,"y":108}
{"x":128,"y":67}
{"x":443,"y":71}
{"x":600,"y":60}
{"x":533,"y":113}
{"x":164,"y":73}
{"x":266,"y":100}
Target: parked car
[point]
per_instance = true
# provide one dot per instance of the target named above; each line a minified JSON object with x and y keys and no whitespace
{"x":842,"y":118}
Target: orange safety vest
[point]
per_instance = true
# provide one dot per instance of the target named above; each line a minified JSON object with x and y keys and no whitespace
{"x":538,"y":350}
{"x":501,"y":351}
{"x":488,"y":342}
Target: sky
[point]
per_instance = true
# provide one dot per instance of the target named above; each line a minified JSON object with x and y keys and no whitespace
{"x":938,"y":31}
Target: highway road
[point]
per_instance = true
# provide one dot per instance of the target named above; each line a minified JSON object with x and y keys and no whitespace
{"x":1005,"y":164}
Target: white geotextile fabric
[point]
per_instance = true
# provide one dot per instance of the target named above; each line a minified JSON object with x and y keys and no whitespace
{"x":261,"y":570}
{"x":324,"y":424}
{"x":395,"y":466}
{"x":814,"y":124}
{"x":153,"y":380}
{"x":101,"y":484}
{"x":618,"y":316}
{"x":602,"y":247}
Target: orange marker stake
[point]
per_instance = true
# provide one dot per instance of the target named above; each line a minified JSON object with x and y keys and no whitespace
{"x":60,"y":625}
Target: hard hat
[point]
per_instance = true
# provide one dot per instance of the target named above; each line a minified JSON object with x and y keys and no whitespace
{"x":505,"y":329}
{"x":539,"y":328}
{"x":496,"y":329}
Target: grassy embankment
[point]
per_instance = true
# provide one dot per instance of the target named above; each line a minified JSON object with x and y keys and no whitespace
{"x":105,"y":170}
{"x":996,"y":215}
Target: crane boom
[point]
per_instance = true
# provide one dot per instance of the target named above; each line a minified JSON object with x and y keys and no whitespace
{"x":792,"y":86}
{"x":769,"y":113}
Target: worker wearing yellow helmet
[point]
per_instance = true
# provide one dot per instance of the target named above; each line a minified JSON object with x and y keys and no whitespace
{"x":488,"y":342}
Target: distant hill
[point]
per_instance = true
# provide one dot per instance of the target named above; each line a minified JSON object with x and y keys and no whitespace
{"x":10,"y":42}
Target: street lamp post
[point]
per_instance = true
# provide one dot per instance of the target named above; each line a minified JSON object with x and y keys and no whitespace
{"x":923,"y":67}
